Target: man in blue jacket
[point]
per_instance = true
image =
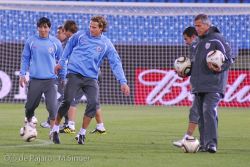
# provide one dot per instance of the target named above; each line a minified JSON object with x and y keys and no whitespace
{"x":85,"y":52}
{"x":208,"y":80}
{"x":39,"y":57}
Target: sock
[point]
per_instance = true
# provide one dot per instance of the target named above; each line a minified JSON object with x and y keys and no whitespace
{"x":100,"y":126}
{"x":82,"y":131}
{"x":185,"y":136}
{"x":71,"y":125}
{"x":55,"y":128}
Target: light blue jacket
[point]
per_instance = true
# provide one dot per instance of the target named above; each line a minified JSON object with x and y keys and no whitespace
{"x":86,"y":53}
{"x":40,"y":56}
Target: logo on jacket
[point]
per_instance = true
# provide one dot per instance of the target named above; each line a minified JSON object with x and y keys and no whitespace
{"x":98,"y":49}
{"x":207,"y":45}
{"x":51,"y":49}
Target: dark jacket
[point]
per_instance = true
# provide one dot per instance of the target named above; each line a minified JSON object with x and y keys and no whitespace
{"x":203,"y":80}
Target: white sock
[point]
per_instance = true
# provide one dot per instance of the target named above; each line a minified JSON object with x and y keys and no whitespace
{"x":185,"y":136}
{"x":100,"y":126}
{"x":55,"y":128}
{"x":82,"y":131}
{"x":71,"y":125}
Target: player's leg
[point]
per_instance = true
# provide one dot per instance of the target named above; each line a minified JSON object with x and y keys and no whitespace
{"x":50,"y":93}
{"x":60,"y":89}
{"x":193,"y":121}
{"x":211,"y":102}
{"x":70,"y":127}
{"x":100,"y":129}
{"x":70,"y":90}
{"x":34,"y":95}
{"x":91,"y":90}
{"x":201,"y":121}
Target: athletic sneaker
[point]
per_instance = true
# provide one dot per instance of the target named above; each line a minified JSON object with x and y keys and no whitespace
{"x":62,"y":126}
{"x":67,"y":129}
{"x":211,"y":149}
{"x":178,"y":143}
{"x":54,"y":136}
{"x":97,"y":131}
{"x":45,"y":125}
{"x":81,"y":139}
{"x":77,"y":136}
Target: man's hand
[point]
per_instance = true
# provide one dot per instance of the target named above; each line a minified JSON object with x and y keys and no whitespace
{"x":22,"y":81}
{"x":214,"y":67}
{"x":125,"y":89}
{"x":57,"y":68}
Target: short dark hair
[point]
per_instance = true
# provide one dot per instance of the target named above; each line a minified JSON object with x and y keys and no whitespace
{"x":190,"y":31}
{"x":71,"y":26}
{"x":43,"y":21}
{"x":204,"y":18}
{"x":102,"y":22}
{"x":60,"y":27}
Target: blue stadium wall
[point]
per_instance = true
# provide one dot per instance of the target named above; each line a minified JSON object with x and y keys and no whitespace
{"x":138,"y":40}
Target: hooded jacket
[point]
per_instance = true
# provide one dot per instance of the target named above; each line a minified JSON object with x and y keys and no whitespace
{"x":204,"y":80}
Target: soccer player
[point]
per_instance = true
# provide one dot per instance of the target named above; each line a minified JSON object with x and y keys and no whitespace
{"x":60,"y":84}
{"x":70,"y":27}
{"x":190,"y":38}
{"x":39,"y":57}
{"x":86,"y":52}
{"x":208,"y":80}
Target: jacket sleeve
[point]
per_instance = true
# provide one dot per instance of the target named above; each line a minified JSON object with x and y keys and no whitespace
{"x":67,"y":50}
{"x":228,"y":57}
{"x":25,"y":60}
{"x":223,"y":46}
{"x":116,"y":64}
{"x":59,"y":51}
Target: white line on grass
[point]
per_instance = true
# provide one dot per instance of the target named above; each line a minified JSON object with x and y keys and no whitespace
{"x":31,"y":144}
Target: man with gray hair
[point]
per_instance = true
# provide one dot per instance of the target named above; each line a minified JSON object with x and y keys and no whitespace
{"x":208,"y":80}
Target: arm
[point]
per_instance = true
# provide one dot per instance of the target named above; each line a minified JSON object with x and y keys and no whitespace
{"x":220,"y":44}
{"x":25,"y":62}
{"x":72,"y":42}
{"x":116,"y":67}
{"x":58,"y":55}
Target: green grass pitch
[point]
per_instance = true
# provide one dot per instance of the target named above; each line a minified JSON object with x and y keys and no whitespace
{"x":136,"y":137}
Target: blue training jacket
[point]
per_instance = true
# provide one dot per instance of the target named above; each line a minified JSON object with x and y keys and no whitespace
{"x":40,"y":56}
{"x":85,"y":54}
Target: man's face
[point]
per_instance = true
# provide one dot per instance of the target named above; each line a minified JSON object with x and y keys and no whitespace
{"x":68,"y":34}
{"x":95,"y":30}
{"x":200,"y":27}
{"x":43,"y":30}
{"x":60,"y":34}
{"x":188,"y":40}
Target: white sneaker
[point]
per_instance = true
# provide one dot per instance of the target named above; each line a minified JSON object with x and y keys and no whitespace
{"x":45,"y":124}
{"x":178,"y":143}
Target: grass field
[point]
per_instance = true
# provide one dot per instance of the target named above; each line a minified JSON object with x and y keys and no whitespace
{"x":136,"y":137}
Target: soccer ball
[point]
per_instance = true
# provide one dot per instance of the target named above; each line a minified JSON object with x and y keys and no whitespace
{"x":28,"y":133}
{"x":190,"y":145}
{"x":182,"y":66}
{"x":33,"y":121}
{"x":216,"y":57}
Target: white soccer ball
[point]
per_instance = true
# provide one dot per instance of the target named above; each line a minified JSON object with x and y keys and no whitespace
{"x":216,"y":57}
{"x":28,"y":133}
{"x":32,"y":123}
{"x":190,"y":145}
{"x":182,"y":65}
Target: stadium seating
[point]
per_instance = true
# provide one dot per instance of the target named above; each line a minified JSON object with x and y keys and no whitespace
{"x":123,"y":30}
